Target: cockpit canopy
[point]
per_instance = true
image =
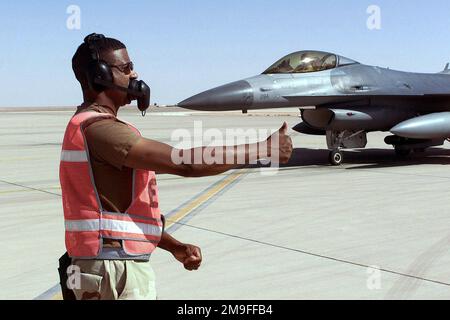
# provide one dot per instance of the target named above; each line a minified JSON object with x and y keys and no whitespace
{"x":308,"y":61}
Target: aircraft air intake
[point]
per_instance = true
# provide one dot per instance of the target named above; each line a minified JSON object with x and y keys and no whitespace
{"x":336,"y":119}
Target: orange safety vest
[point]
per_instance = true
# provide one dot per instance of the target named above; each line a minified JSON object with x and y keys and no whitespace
{"x":86,"y":223}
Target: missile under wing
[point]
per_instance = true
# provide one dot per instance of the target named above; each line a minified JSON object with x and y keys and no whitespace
{"x":349,"y":100}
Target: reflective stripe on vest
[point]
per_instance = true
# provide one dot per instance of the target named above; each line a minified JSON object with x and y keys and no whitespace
{"x":73,"y":156}
{"x":113,"y":225}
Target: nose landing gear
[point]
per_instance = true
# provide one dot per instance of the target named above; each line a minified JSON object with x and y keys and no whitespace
{"x":338,"y":140}
{"x":336,"y":157}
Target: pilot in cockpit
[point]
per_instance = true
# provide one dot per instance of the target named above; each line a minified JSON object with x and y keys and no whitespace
{"x":305,"y":64}
{"x":285,"y":66}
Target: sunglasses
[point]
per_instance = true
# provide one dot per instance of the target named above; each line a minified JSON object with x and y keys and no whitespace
{"x":124,"y":68}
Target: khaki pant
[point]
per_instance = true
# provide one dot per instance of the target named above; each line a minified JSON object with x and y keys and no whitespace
{"x":114,"y":280}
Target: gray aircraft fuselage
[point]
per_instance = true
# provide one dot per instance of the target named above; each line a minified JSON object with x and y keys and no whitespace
{"x":347,"y":96}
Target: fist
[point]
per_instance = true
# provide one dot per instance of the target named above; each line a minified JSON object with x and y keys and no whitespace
{"x":189,"y":255}
{"x":280,"y":144}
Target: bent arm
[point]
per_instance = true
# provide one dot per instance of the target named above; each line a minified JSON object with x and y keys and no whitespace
{"x":188,"y":254}
{"x":169,"y":243}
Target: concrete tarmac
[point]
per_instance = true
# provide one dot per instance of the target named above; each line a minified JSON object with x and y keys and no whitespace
{"x":375,"y":228}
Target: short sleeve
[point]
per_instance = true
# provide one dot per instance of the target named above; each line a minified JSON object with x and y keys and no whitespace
{"x":110,"y":141}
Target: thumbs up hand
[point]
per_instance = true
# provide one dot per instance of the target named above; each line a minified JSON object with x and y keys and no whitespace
{"x":280,"y":143}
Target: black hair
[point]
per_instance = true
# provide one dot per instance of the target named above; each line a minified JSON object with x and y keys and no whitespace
{"x":83,"y":56}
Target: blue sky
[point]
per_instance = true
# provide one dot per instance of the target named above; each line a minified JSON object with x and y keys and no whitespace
{"x":183,"y":47}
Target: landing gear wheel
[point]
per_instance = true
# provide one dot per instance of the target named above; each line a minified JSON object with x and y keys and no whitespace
{"x":402,"y":152}
{"x":336,"y":157}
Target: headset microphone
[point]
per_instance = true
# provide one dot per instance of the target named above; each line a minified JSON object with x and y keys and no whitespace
{"x":137,"y":89}
{"x":99,"y":75}
{"x":141,"y":90}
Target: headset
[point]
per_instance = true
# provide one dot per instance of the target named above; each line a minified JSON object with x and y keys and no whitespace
{"x":100,"y":76}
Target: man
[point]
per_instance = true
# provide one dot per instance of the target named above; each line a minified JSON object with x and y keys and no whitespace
{"x":108,"y":182}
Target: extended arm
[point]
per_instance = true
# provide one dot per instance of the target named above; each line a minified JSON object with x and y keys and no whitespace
{"x":162,"y":158}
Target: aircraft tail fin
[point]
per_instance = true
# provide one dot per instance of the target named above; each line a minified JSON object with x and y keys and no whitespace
{"x":446,"y":69}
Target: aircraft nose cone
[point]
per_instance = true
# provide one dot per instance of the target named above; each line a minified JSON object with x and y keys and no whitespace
{"x":233,"y":96}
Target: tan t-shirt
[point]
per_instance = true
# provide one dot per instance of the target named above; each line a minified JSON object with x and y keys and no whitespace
{"x":109,"y":142}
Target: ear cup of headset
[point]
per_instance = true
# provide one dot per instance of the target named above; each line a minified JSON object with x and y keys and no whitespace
{"x":99,"y":73}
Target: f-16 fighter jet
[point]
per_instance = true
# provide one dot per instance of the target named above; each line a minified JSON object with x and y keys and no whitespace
{"x":344,"y":100}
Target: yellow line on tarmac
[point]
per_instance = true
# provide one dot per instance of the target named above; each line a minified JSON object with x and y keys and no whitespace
{"x":14,"y":191}
{"x":28,"y":190}
{"x":202,"y":198}
{"x":22,"y":158}
{"x":57,"y":296}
